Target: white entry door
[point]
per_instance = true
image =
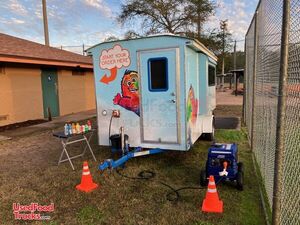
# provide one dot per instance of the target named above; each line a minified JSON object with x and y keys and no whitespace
{"x":159,"y":100}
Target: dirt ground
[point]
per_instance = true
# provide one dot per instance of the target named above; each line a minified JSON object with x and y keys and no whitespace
{"x":227,"y":98}
{"x":29,"y":173}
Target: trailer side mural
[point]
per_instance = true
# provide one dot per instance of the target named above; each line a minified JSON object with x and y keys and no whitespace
{"x":156,"y":84}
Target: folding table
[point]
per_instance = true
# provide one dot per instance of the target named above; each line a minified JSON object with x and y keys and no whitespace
{"x":72,"y":139}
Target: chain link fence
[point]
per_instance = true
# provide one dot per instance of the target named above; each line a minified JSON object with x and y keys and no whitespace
{"x":78,"y":49}
{"x":263,"y":47}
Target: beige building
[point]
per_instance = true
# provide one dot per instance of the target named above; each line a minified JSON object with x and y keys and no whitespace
{"x":36,"y":79}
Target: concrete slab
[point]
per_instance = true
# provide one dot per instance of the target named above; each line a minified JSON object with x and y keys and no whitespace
{"x":54,"y":124}
{"x":228,"y":123}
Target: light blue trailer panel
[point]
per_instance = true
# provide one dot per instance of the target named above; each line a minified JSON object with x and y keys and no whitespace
{"x":156,"y":83}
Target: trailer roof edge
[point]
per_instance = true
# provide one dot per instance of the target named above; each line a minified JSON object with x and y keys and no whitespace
{"x":198,"y":46}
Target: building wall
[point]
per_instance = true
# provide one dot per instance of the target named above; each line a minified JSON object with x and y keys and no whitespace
{"x":76,"y":93}
{"x":21,"y":96}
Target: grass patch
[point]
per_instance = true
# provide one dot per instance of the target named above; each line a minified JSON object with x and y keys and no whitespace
{"x":264,"y":193}
{"x":32,"y":175}
{"x":202,"y":223}
{"x":50,"y":223}
{"x":231,"y":136}
{"x":90,"y":215}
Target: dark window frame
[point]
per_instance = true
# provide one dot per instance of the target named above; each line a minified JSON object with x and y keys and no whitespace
{"x":211,"y":83}
{"x":166,"y":72}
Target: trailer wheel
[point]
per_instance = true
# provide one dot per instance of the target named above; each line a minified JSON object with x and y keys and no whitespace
{"x":240,"y":167}
{"x":240,"y":181}
{"x":203,"y":178}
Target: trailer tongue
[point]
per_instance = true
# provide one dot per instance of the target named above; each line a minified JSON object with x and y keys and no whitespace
{"x":112,"y":164}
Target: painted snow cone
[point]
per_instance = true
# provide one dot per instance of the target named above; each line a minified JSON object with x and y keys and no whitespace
{"x":192,"y":106}
{"x":129,"y":99}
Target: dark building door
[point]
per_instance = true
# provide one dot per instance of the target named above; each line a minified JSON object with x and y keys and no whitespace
{"x":50,"y":92}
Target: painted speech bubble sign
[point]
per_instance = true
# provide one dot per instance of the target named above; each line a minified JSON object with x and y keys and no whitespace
{"x":114,"y":57}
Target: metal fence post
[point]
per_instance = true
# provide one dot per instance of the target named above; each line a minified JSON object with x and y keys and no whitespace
{"x":254,"y":79}
{"x":281,"y":112}
{"x":244,"y":84}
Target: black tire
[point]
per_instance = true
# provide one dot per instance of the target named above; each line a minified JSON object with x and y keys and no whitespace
{"x":240,"y":167}
{"x":211,"y":136}
{"x":203,"y":178}
{"x":240,"y":181}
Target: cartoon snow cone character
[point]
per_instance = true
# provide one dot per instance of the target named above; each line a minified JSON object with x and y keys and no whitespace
{"x":192,"y":106}
{"x":129,"y":99}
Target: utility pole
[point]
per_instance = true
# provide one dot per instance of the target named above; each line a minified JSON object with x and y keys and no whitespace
{"x":46,"y":33}
{"x":223,"y":26}
{"x":234,"y":55}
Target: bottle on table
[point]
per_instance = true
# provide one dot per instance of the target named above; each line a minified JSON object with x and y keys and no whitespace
{"x":66,"y":129}
{"x":89,"y":124}
{"x":73,"y":128}
{"x":70,"y":131}
{"x":86,"y":128}
{"x":77,"y":128}
{"x":82,"y":128}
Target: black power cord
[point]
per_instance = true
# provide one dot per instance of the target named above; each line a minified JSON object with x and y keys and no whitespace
{"x":109,"y":129}
{"x":172,"y":196}
{"x":143,"y":175}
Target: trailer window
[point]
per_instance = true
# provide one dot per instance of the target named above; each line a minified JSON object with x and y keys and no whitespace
{"x":158,"y":74}
{"x":211,"y":75}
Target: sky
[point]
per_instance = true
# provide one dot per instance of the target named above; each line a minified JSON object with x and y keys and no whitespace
{"x":74,"y":22}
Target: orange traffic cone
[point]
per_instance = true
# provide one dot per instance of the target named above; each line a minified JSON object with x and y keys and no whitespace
{"x":87,"y":183}
{"x":212,"y":203}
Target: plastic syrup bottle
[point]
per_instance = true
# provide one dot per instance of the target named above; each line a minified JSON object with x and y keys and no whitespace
{"x":70,"y":129}
{"x":77,"y":128}
{"x":73,"y":128}
{"x":89,"y":124}
{"x":66,"y":130}
{"x":82,"y":128}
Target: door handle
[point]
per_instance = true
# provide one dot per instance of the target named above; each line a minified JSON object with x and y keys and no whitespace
{"x":173,"y":101}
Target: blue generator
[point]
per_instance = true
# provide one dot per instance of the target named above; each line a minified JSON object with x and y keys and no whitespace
{"x":222,"y":162}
